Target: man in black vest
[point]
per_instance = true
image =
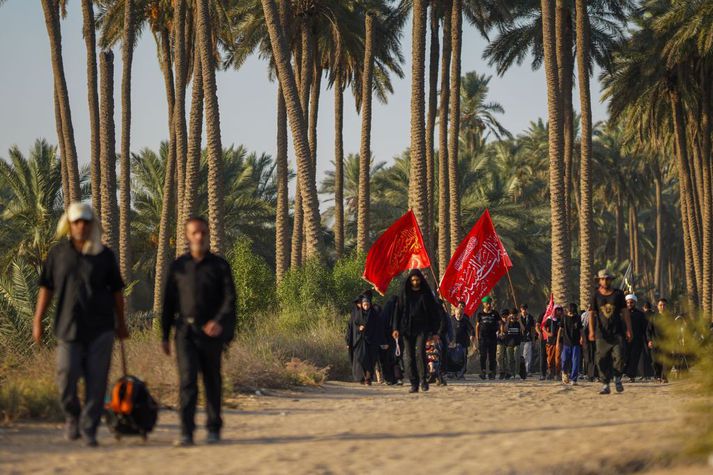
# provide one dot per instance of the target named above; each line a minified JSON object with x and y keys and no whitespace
{"x":200,"y":302}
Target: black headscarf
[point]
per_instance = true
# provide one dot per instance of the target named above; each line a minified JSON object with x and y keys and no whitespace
{"x":403,"y":322}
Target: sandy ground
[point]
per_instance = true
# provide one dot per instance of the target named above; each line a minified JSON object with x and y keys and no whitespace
{"x":467,"y":427}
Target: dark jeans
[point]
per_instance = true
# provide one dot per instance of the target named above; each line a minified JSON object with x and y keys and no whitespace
{"x":91,"y":361}
{"x":488,"y":349}
{"x":658,"y":364}
{"x":197,"y":352}
{"x":543,"y":356}
{"x":414,"y":356}
{"x":610,"y":358}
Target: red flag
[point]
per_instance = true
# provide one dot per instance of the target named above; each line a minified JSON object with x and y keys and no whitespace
{"x":400,"y":248}
{"x":549,"y":311}
{"x":476,"y":266}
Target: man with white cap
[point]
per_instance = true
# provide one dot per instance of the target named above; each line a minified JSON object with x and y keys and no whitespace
{"x":609,"y":326}
{"x":637,"y":363}
{"x":84,"y":275}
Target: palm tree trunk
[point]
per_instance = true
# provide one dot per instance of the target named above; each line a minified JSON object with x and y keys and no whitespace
{"x":193,"y":158}
{"x":658,"y":261}
{"x":364,"y":202}
{"x":619,"y":232}
{"x":298,"y":127}
{"x":297,"y":229}
{"x":314,"y":117}
{"x":586,"y":270}
{"x":338,"y":163}
{"x":62,"y":163}
{"x":707,"y":221}
{"x":107,"y":150}
{"x":282,"y":207}
{"x":431,"y":119}
{"x":164,"y":230}
{"x":453,"y":138}
{"x":51,"y":14}
{"x":565,"y":66}
{"x":560,"y":254}
{"x":127,"y":53}
{"x":93,"y":99}
{"x":444,"y":243}
{"x":179,"y":115}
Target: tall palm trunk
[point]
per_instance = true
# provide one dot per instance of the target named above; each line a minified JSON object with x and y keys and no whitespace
{"x":417,"y":173}
{"x":658,"y":262}
{"x":453,"y":138}
{"x":339,"y":164}
{"x":179,"y":115}
{"x":364,"y":201}
{"x":298,"y":127}
{"x":563,"y":22}
{"x":93,"y":99}
{"x":164,"y":230}
{"x":282,"y":208}
{"x":127,"y":53}
{"x":314,"y":117}
{"x":560,"y":255}
{"x":619,"y":228}
{"x":707,"y":221}
{"x":431,"y":119}
{"x":444,"y":242}
{"x":193,"y":158}
{"x":212,"y":119}
{"x":586,"y":270}
{"x":51,"y":14}
{"x":62,"y":163}
{"x":107,"y":150}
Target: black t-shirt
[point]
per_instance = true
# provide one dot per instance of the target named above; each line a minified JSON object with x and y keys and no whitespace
{"x":528,"y":322}
{"x":514,"y":333}
{"x":571,"y":330}
{"x":462,"y":329}
{"x":489,"y":324}
{"x":608,"y":308}
{"x":84,"y":285}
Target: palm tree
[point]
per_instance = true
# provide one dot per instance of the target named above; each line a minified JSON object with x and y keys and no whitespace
{"x":51,"y":14}
{"x":444,"y":236}
{"x":434,"y":57}
{"x":365,"y":148}
{"x":477,"y":116}
{"x":127,"y":52}
{"x":107,"y":155}
{"x":298,"y":126}
{"x":453,"y":139}
{"x":89,"y":33}
{"x":180,"y":64}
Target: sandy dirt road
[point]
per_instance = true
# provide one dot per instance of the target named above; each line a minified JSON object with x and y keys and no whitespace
{"x":467,"y":427}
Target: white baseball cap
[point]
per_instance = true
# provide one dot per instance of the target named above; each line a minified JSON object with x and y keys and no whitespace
{"x":80,"y":211}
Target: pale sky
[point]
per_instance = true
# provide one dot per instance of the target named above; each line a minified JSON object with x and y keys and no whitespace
{"x":247,"y":97}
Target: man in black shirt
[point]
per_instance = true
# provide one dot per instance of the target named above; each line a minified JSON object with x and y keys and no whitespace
{"x":514,"y":329}
{"x":609,"y":326}
{"x":570,"y":337}
{"x":464,"y":335}
{"x":200,"y":302}
{"x":528,"y":323}
{"x":637,"y":361}
{"x":90,"y":311}
{"x":417,"y":318}
{"x":487,"y":326}
{"x":653,"y":333}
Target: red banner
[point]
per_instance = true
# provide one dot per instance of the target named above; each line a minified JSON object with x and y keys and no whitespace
{"x":400,"y":248}
{"x":477,"y":265}
{"x":549,"y":312}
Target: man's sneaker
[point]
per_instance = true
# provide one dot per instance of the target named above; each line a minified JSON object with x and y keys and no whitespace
{"x":71,"y":429}
{"x":424,"y":386}
{"x":491,"y":376}
{"x":483,"y":376}
{"x":605,"y":389}
{"x":619,"y":386}
{"x":413,"y":389}
{"x":213,"y":438}
{"x":184,"y":441}
{"x":565,"y":378}
{"x":502,"y":376}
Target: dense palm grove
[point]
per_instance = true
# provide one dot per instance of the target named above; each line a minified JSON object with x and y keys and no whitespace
{"x":567,"y":195}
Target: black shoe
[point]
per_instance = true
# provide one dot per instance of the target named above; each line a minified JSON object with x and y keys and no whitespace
{"x":184,"y":441}
{"x":414,"y":389}
{"x":605,"y":390}
{"x":213,"y":438}
{"x":507,"y":376}
{"x":90,"y":440}
{"x":424,"y":386}
{"x":483,"y":376}
{"x":71,"y":429}
{"x":619,"y":386}
{"x":491,"y":376}
{"x":443,"y":381}
{"x":502,"y":376}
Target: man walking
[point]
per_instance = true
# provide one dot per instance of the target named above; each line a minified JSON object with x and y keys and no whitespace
{"x":636,"y":355}
{"x":200,"y":302}
{"x":609,"y":326}
{"x":84,"y":275}
{"x":653,"y":333}
{"x":528,"y":324}
{"x":550,"y":328}
{"x":570,"y":336}
{"x":487,"y":326}
{"x":463,"y":336}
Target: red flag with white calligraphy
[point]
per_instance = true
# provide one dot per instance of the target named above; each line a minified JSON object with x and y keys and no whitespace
{"x":477,"y":265}
{"x":400,"y":248}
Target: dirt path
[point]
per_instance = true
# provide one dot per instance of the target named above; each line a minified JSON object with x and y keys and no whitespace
{"x":470,"y":427}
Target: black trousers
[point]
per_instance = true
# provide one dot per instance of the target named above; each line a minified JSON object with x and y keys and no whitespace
{"x":589,"y":366}
{"x":196,"y":353}
{"x":414,"y":356}
{"x":488,"y":351}
{"x":543,"y":356}
{"x":658,"y":364}
{"x":610,"y":354}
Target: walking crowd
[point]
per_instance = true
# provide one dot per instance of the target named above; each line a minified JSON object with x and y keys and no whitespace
{"x":413,"y":339}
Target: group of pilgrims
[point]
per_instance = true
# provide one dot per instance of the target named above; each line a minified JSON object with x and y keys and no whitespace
{"x":413,"y":338}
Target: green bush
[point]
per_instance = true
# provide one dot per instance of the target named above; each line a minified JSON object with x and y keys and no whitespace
{"x":254,"y":282}
{"x":307,"y":287}
{"x":348,"y":281}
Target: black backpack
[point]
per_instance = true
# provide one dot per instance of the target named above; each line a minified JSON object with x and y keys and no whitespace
{"x":130,"y":409}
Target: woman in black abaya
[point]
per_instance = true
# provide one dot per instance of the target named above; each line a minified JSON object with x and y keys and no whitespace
{"x":365,"y":333}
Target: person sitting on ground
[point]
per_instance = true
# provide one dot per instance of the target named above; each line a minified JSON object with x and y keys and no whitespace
{"x":487,"y":326}
{"x":570,"y":338}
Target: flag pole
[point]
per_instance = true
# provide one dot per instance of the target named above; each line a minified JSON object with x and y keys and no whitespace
{"x":512,"y":289}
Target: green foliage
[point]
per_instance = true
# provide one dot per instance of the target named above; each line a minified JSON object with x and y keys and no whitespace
{"x":23,"y":397}
{"x":348,"y":282}
{"x":305,"y":288}
{"x":254,"y":281}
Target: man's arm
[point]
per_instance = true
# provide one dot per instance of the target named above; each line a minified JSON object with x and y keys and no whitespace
{"x":169,"y":308}
{"x":122,"y":332}
{"x":226,"y":316}
{"x":44,"y":297}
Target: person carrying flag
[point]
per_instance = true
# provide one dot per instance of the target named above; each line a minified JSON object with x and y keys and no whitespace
{"x":609,"y":326}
